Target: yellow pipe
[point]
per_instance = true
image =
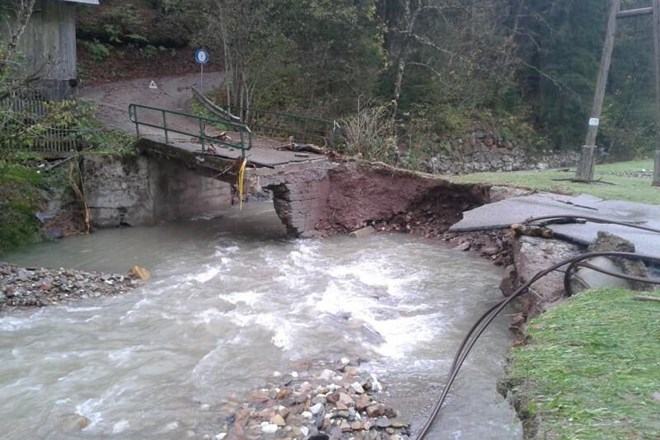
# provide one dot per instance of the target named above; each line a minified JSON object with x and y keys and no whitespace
{"x":241,"y":182}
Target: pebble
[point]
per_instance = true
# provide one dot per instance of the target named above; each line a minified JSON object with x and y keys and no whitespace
{"x":357,"y":388}
{"x":268,"y":428}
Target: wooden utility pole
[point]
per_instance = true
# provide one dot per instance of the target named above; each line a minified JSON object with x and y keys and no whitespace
{"x":587,"y":163}
{"x":585,"y":171}
{"x":656,"y":38}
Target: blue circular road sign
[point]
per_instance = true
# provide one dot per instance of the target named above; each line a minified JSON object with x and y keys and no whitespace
{"x":202,"y":56}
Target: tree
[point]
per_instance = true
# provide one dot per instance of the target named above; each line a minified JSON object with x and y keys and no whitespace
{"x":12,"y":76}
{"x":461,"y":47}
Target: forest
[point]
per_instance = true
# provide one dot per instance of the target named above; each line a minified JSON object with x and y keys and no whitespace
{"x":408,"y":73}
{"x":421,"y":70}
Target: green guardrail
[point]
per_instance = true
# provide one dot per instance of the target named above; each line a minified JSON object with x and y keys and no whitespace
{"x":278,"y":124}
{"x":158,"y":118}
{"x":303,"y":128}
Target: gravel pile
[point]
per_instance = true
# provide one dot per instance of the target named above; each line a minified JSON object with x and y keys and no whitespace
{"x":338,"y":403}
{"x":37,"y":287}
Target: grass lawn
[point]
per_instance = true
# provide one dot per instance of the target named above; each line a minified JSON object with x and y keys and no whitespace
{"x":591,"y":369}
{"x":630,"y":181}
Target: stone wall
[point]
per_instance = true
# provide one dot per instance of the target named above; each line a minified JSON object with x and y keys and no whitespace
{"x":482,"y":151}
{"x":145,"y":191}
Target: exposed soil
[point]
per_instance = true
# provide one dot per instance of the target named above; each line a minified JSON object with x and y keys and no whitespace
{"x":391,"y":199}
{"x":134,"y":62}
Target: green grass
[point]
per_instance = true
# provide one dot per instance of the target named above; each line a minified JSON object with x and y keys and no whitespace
{"x":592,"y":367}
{"x":627,"y":184}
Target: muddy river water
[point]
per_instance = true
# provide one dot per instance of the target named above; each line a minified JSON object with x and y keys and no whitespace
{"x":232,"y":300}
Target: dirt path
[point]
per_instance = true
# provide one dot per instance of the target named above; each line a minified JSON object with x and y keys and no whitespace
{"x":172,"y":93}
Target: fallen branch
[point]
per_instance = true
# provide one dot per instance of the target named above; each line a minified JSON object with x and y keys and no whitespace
{"x":647,"y":298}
{"x":292,"y":146}
{"x":80,"y":196}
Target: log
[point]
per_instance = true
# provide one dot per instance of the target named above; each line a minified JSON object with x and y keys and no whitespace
{"x":647,"y":298}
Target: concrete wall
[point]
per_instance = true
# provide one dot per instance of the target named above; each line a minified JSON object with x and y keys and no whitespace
{"x":145,"y":191}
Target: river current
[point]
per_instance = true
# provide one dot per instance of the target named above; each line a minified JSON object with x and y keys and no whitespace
{"x":232,"y":300}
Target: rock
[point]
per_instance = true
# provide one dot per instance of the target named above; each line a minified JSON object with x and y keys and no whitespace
{"x":355,"y":386}
{"x":490,"y":251}
{"x":345,"y":426}
{"x":74,"y":422}
{"x":23,"y":274}
{"x":374,"y":411}
{"x":399,"y":424}
{"x":316,"y":408}
{"x":269,"y":428}
{"x":383,"y":422}
{"x":139,"y":273}
{"x":606,"y":241}
{"x":277,"y":420}
{"x":390,"y":412}
{"x":363,"y":232}
{"x":327,"y":375}
{"x":465,"y":246}
{"x":376,"y":387}
{"x":346,"y":399}
{"x":362,"y":402}
{"x":333,"y":397}
{"x":356,"y":426}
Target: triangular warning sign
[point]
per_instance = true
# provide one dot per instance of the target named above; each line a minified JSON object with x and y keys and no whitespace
{"x":152,"y":85}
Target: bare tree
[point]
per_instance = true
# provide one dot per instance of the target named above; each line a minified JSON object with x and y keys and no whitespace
{"x":449,"y":36}
{"x":11,"y":76}
{"x":22,"y":13}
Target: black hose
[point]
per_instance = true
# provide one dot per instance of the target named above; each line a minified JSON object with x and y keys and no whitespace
{"x":484,"y":321}
{"x":563,"y":219}
{"x":647,"y":259}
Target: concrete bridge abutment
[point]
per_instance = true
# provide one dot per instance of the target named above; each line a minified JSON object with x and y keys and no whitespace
{"x":315,"y":198}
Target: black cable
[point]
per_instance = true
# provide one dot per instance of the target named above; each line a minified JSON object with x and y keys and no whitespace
{"x":484,"y":321}
{"x":562,"y":219}
{"x":646,"y":258}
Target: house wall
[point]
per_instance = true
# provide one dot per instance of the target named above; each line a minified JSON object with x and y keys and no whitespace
{"x":49,"y":45}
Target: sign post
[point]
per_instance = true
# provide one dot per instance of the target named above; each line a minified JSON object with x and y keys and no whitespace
{"x":202,"y":57}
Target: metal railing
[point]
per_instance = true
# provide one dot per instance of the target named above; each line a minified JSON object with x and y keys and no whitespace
{"x":278,"y":124}
{"x":301,"y":128}
{"x":28,"y":109}
{"x":57,"y":140}
{"x":171,"y":121}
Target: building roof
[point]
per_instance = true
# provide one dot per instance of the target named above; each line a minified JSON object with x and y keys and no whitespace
{"x":87,"y":2}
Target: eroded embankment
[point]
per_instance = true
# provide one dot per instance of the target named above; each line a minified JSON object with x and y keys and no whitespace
{"x":343,"y":197}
